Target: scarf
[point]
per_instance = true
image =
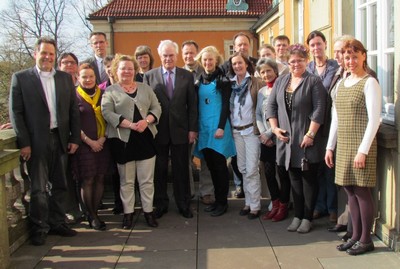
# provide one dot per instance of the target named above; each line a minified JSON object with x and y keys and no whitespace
{"x":100,"y":122}
{"x":271,"y":84}
{"x":241,"y":91}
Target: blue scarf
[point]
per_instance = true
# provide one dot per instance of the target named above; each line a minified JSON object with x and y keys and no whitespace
{"x":241,"y":91}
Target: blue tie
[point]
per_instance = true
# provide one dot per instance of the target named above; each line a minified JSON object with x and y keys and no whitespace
{"x":169,"y":85}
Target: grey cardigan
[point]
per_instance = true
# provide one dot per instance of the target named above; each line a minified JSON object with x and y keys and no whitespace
{"x":308,"y":104}
{"x":117,"y":103}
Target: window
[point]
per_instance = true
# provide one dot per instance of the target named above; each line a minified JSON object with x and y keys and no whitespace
{"x":375,"y":28}
{"x":298,"y":19}
{"x":228,"y":48}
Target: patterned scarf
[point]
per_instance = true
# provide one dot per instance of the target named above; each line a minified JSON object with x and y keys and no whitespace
{"x":100,"y":122}
{"x":241,"y":91}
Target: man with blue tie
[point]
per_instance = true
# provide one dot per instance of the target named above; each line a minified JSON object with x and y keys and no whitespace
{"x":99,"y":43}
{"x":177,"y":128}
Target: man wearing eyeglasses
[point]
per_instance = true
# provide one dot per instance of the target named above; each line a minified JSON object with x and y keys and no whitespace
{"x":98,"y":42}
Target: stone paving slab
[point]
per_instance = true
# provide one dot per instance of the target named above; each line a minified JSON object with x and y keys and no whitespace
{"x":238,"y":258}
{"x":176,"y":259}
{"x":203,"y":242}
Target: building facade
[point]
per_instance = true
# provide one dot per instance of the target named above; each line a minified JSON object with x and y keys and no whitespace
{"x":374,"y":22}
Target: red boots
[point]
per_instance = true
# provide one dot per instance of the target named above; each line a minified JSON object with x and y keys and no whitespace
{"x":278,"y":212}
{"x":274,"y":210}
{"x":282,"y":212}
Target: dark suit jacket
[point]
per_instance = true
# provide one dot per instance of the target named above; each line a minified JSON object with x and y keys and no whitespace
{"x":179,"y":115}
{"x":93,"y":63}
{"x":30,"y":114}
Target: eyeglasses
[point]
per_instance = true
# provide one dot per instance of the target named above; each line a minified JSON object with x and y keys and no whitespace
{"x":293,"y":62}
{"x":68,"y":62}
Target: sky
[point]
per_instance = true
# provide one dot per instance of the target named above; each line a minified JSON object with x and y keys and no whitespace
{"x":81,"y":46}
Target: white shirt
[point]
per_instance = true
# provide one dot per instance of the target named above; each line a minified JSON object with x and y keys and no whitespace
{"x":49,"y":87}
{"x":246,"y":112}
{"x":373,"y":102}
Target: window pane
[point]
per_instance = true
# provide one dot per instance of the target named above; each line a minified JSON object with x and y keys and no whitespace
{"x":390,"y":23}
{"x":373,"y":63}
{"x":373,"y":38}
{"x":363,"y":24}
{"x":388,"y":95}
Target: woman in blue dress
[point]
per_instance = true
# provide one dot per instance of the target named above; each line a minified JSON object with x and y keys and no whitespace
{"x":215,"y":143}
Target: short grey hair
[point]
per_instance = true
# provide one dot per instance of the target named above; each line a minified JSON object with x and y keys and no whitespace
{"x":165,"y":43}
{"x":270,"y":62}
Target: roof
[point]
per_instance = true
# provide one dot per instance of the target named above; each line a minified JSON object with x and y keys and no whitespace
{"x":148,"y":9}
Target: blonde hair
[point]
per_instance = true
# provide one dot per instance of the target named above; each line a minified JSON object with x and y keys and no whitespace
{"x":213,"y":50}
{"x":121,"y":58}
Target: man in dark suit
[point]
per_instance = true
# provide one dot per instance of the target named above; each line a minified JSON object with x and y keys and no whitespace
{"x":177,"y":128}
{"x":99,"y":43}
{"x":45,"y":117}
{"x":241,"y":43}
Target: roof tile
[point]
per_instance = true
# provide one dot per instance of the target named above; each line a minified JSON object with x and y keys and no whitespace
{"x":178,"y":9}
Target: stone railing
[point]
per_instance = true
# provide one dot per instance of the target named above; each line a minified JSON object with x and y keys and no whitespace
{"x":13,"y":188}
{"x":387,"y":191}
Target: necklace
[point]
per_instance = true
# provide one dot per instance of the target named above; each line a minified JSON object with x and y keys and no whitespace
{"x":129,"y":88}
{"x":321,"y":65}
{"x":289,"y":95}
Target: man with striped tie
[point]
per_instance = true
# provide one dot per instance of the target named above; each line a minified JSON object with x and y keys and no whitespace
{"x":99,"y":43}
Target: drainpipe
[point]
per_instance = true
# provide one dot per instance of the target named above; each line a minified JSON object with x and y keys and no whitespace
{"x":111,"y":21}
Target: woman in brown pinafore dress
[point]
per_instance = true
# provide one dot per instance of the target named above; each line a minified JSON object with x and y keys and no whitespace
{"x":354,"y":125}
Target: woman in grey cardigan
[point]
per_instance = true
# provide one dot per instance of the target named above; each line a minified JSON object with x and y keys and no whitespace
{"x":295,"y":111}
{"x":131,"y":110}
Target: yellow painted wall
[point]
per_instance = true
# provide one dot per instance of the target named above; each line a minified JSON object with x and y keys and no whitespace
{"x":271,"y":27}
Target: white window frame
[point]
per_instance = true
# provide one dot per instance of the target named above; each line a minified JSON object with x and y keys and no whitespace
{"x":228,"y":48}
{"x":382,"y":50}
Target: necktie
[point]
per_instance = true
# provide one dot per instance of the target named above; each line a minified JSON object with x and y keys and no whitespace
{"x":102,"y":71}
{"x":169,"y":85}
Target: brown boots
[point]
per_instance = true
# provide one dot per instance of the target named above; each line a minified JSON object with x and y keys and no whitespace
{"x":278,"y":212}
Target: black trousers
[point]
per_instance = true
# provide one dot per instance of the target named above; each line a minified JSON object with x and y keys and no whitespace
{"x":180,"y":175}
{"x":304,"y":190}
{"x":47,"y":172}
{"x":216,"y":163}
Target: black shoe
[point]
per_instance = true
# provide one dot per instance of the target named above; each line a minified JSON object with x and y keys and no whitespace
{"x":219,"y":210}
{"x":63,"y":230}
{"x":347,"y":236}
{"x":346,"y":246}
{"x":39,"y":238}
{"x":360,"y":248}
{"x":186,"y":213}
{"x":127,"y":221}
{"x":337,"y":228}
{"x":159,"y":212}
{"x":97,"y":224}
{"x":210,"y":208}
{"x":253,"y":215}
{"x":244,"y":212}
{"x":151,"y":219}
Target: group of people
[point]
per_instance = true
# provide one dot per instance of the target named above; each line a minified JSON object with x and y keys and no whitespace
{"x":311,"y":124}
